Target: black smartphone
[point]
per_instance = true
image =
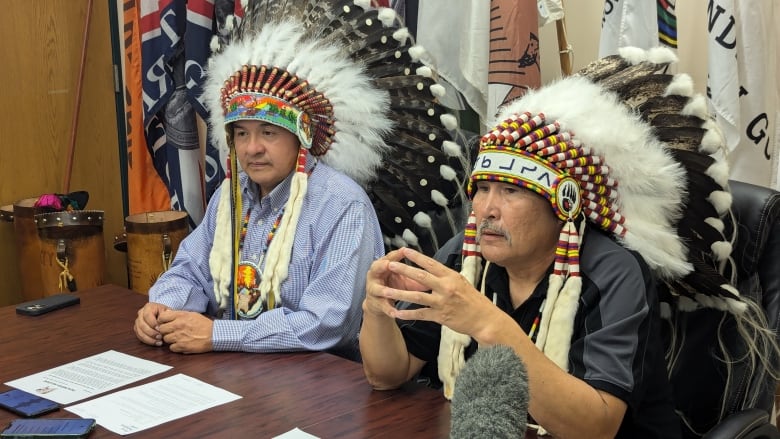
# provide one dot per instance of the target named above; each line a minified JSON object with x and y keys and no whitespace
{"x":50,"y":303}
{"x":48,"y":428}
{"x":26,"y":404}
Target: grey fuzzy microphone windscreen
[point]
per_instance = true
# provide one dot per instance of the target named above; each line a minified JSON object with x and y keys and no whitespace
{"x":490,"y":399}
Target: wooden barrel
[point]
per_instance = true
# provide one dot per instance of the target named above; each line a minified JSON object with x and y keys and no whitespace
{"x":11,"y":291}
{"x":28,"y":248}
{"x":152,"y":241}
{"x":72,"y":250}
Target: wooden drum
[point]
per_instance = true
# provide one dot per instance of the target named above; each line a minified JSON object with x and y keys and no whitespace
{"x":72,"y":250}
{"x":11,"y":292}
{"x":7,"y":213}
{"x":152,"y":241}
{"x":28,"y":248}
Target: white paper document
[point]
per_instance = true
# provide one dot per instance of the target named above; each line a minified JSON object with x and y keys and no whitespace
{"x":138,"y":408}
{"x":296,"y":433}
{"x":87,"y":377}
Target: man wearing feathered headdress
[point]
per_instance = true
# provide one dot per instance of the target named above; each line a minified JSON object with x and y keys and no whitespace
{"x":577,"y":209}
{"x":279,"y":260}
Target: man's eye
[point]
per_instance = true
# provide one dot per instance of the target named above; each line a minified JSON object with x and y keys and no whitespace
{"x":240,"y":133}
{"x":269,"y":132}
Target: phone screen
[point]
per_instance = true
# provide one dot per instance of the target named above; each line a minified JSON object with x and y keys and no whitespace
{"x":65,"y":427}
{"x":26,"y":404}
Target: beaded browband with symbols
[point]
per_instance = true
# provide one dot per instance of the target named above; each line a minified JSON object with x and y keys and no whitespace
{"x":273,"y":95}
{"x":527,"y":151}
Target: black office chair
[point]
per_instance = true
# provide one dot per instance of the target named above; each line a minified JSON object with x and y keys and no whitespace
{"x":698,"y":375}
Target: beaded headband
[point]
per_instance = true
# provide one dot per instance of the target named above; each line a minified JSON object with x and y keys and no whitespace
{"x":525,"y":151}
{"x":277,"y":97}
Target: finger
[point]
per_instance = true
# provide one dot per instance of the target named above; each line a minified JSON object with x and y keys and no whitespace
{"x":395,"y":255}
{"x":428,"y":280}
{"x":414,"y":314}
{"x":142,"y":331}
{"x":149,"y":333}
{"x":379,"y":267}
{"x":168,"y":316}
{"x":149,"y":316}
{"x":419,"y":297}
{"x":426,"y":263}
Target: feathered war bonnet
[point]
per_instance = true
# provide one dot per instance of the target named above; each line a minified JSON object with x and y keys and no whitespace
{"x":272,"y":69}
{"x":348,"y":79}
{"x":589,"y":145}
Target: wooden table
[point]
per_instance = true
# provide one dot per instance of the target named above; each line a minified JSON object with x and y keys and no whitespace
{"x":322,"y":394}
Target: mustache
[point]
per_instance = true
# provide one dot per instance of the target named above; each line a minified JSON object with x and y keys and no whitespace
{"x":491,"y":227}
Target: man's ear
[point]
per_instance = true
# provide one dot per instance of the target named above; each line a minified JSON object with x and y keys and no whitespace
{"x":229,"y":135}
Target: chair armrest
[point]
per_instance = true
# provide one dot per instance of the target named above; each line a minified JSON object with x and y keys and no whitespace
{"x":752,"y":423}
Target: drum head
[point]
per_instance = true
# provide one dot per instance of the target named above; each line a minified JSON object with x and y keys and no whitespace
{"x":156,"y":222}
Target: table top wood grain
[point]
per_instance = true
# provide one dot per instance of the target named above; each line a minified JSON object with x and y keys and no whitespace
{"x":322,"y":394}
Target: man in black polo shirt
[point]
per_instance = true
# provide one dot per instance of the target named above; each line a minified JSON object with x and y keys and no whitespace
{"x":544,"y":268}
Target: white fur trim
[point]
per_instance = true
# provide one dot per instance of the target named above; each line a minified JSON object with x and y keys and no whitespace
{"x":221,"y":256}
{"x":721,"y":250}
{"x":387,"y":16}
{"x":713,"y":140}
{"x":439,"y":198}
{"x":696,"y":106}
{"x":661,"y":55}
{"x":721,"y":200}
{"x":424,"y":71}
{"x":685,"y":303}
{"x":422,"y":219}
{"x":681,"y":85}
{"x":558,"y":342}
{"x":401,"y":35}
{"x":451,"y":357}
{"x":398,"y":241}
{"x":280,"y":250}
{"x":410,"y":237}
{"x":449,"y":121}
{"x":438,"y":90}
{"x":665,"y":310}
{"x":452,"y":149}
{"x":471,"y":268}
{"x":555,"y":283}
{"x":716,"y":223}
{"x":719,"y":171}
{"x":447,"y":173}
{"x":634,"y":55}
{"x":214,"y":43}
{"x":416,"y":52}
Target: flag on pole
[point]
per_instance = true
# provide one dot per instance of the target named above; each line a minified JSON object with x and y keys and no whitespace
{"x":628,"y":23}
{"x":455,"y":36}
{"x":172,"y":75}
{"x":146,"y":190}
{"x":549,"y":11}
{"x":201,"y":16}
{"x":514,"y":51}
{"x":491,"y":50}
{"x":667,"y":23}
{"x":742,"y":85}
